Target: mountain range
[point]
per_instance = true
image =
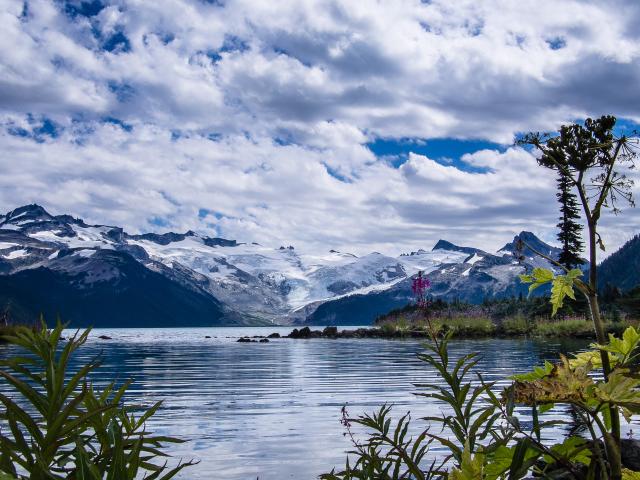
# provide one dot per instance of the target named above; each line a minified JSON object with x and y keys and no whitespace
{"x":100,"y":275}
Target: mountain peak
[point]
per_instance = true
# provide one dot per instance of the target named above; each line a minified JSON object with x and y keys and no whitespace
{"x":420,"y":251}
{"x":27,"y":212}
{"x":171,"y":237}
{"x":532,"y":241}
{"x":446,"y":245}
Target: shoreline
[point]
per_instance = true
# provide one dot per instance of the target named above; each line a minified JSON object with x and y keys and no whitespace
{"x":333,"y":333}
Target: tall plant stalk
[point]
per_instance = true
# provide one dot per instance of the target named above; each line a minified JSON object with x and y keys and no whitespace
{"x":589,"y":156}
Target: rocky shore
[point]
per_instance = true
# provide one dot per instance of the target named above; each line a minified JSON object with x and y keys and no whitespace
{"x":334,"y":333}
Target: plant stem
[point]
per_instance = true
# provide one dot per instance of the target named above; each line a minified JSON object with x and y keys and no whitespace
{"x":612,"y":442}
{"x":596,"y":446}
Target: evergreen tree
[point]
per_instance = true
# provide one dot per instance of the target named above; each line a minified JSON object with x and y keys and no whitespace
{"x":570,"y":230}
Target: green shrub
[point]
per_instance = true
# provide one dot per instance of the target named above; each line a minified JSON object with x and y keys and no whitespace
{"x":402,"y":325}
{"x":474,"y":327}
{"x":388,"y":327}
{"x":570,"y":327}
{"x":60,"y":426}
{"x":517,"y":325}
{"x":461,"y":326}
{"x":618,"y":328}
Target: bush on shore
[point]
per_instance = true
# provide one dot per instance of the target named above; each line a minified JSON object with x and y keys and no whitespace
{"x":478,"y":326}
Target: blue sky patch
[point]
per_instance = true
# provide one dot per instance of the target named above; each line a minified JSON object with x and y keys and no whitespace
{"x":25,"y":11}
{"x":159,"y":222}
{"x":231,"y":43}
{"x":40,"y":128}
{"x":47,"y":128}
{"x":123,"y":91}
{"x":204,"y":212}
{"x":116,"y":121}
{"x":85,"y":9}
{"x":624,"y":126}
{"x":446,"y":151}
{"x":118,"y":42}
{"x":283,"y":140}
{"x":557,"y":43}
{"x":18,"y":132}
{"x":335,"y":174}
{"x":627,"y":127}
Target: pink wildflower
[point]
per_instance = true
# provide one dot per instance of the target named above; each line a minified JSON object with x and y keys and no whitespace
{"x":419,"y":286}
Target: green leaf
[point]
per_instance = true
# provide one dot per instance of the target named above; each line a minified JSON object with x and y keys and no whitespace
{"x":471,"y":467}
{"x":545,"y":408}
{"x":542,"y":275}
{"x":561,"y":287}
{"x":574,"y":449}
{"x":538,"y":277}
{"x":538,"y":373}
{"x":85,"y":469}
{"x":630,"y":475}
{"x":621,"y":390}
{"x":623,"y":348}
{"x":499,"y":463}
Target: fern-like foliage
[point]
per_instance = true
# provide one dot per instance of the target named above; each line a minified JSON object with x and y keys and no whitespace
{"x":56,"y":425}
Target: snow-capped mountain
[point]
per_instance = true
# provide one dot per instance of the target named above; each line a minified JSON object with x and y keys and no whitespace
{"x":59,"y":264}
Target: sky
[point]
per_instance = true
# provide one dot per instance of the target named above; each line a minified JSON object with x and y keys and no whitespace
{"x":354,"y":125}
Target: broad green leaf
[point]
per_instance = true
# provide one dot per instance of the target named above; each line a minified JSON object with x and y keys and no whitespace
{"x":524,"y":278}
{"x":503,"y":459}
{"x":620,"y":390}
{"x":538,"y":373}
{"x":471,"y":467}
{"x":542,"y":275}
{"x":545,"y":408}
{"x":538,"y":277}
{"x":561,"y":287}
{"x":630,"y":475}
{"x":591,"y":359}
{"x":575,"y":449}
{"x":622,"y":348}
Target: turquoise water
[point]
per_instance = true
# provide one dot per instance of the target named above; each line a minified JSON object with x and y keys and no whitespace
{"x":272,"y":410}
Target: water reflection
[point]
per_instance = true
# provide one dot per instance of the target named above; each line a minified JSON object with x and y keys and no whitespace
{"x":272,"y":410}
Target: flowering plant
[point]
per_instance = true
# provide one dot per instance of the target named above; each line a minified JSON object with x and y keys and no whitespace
{"x":419,"y":287}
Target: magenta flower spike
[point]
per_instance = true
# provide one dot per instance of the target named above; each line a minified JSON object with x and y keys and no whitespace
{"x":419,"y":285}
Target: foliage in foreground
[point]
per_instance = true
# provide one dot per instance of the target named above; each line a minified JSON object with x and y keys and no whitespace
{"x":484,"y":435}
{"x":55,"y":425}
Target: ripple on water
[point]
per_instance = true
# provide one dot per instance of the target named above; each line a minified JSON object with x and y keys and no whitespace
{"x":272,"y":410}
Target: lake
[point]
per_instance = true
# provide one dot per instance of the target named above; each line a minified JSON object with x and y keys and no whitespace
{"x":272,"y":410}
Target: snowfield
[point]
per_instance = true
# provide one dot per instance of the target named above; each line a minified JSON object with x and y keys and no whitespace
{"x":248,"y":278}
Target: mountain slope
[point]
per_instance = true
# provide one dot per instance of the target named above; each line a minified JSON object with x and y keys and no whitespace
{"x":102,"y":275}
{"x":473,"y":280}
{"x":622,"y":268}
{"x":114,"y":291}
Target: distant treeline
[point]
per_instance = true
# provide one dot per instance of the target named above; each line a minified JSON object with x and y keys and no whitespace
{"x":615,"y":305}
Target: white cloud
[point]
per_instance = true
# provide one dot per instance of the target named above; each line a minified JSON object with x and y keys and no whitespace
{"x":290,"y":95}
